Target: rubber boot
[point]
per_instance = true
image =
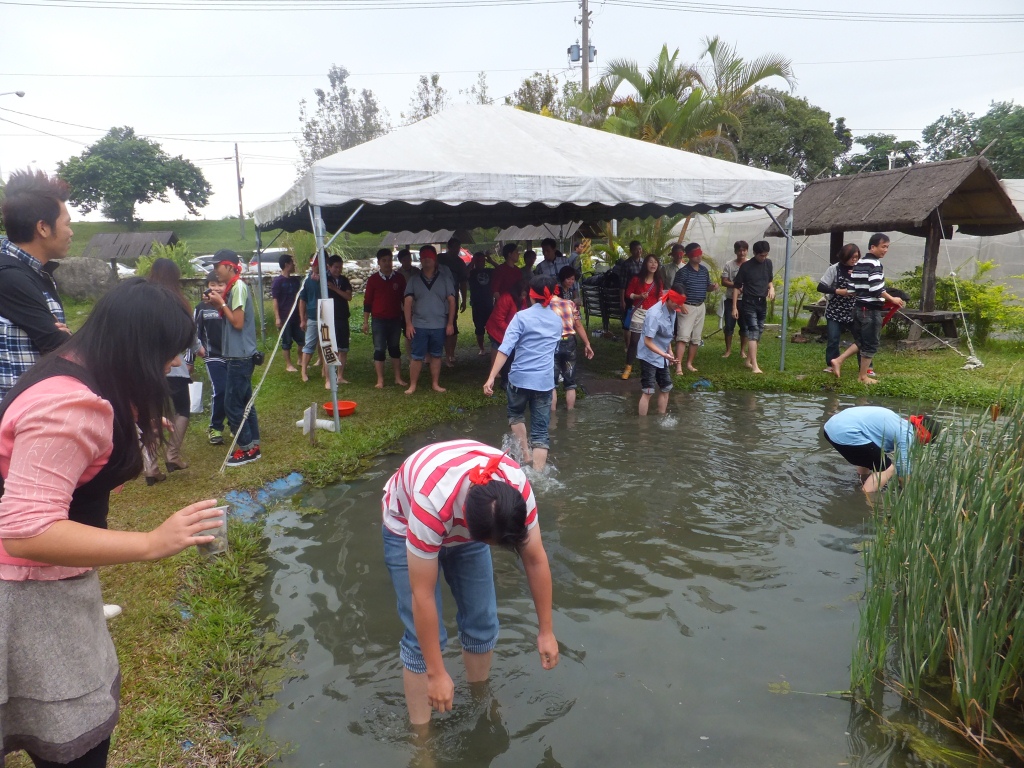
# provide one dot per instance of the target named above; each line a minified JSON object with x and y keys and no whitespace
{"x":174,"y":459}
{"x":626,"y":372}
{"x":150,"y":468}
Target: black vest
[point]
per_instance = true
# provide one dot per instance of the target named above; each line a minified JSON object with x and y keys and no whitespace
{"x":90,"y":501}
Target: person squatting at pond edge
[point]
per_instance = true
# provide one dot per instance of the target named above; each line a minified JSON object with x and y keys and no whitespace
{"x":692,"y":280}
{"x":69,"y":435}
{"x":429,"y":317}
{"x":446,"y":506}
{"x":532,"y":335}
{"x":239,"y":348}
{"x":655,"y":350}
{"x":565,"y":353}
{"x":865,"y":434}
{"x":753,"y":289}
{"x":382,"y":311}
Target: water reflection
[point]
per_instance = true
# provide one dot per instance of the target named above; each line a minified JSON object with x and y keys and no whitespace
{"x":697,"y":558}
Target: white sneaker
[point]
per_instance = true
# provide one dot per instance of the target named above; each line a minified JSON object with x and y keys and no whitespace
{"x":110,"y":611}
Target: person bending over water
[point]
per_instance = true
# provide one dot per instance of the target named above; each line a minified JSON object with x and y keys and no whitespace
{"x":655,"y":350}
{"x":865,"y":434}
{"x":444,"y":509}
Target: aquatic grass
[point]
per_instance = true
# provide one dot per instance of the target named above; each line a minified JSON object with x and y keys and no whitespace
{"x":945,"y":577}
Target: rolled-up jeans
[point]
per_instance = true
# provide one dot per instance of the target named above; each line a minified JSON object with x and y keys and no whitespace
{"x":835,"y":333}
{"x":867,"y":329}
{"x":238,"y":391}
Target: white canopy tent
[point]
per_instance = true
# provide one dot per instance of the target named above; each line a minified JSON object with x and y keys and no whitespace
{"x":486,"y":166}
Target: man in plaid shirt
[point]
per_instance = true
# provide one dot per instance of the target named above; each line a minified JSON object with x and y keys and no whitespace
{"x":38,"y":232}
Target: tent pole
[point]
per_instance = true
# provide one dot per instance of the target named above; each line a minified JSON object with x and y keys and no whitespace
{"x":788,"y":232}
{"x":321,"y":250}
{"x":259,"y":269}
{"x":342,"y":227}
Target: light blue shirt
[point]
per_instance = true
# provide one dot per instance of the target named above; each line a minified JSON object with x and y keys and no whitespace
{"x":864,"y":424}
{"x":533,"y":335}
{"x":659,"y":325}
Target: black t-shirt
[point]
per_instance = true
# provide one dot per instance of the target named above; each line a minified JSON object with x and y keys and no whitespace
{"x":480,"y":287}
{"x":754,"y":278}
{"x":455,"y":265}
{"x":340,"y":305}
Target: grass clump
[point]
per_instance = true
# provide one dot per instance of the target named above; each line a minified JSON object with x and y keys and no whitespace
{"x":944,"y":608}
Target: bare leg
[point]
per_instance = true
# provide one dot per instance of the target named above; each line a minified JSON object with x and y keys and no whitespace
{"x":519,"y":431}
{"x":570,"y":399}
{"x":449,"y":349}
{"x":554,"y":399}
{"x":396,"y":363}
{"x":877,"y":482}
{"x":416,"y":700}
{"x":480,"y":344}
{"x":743,"y":346}
{"x":728,"y":345}
{"x":645,"y":401}
{"x":663,"y":401}
{"x":415,"y":366}
{"x":342,"y":359}
{"x":752,"y":356}
{"x":378,"y":366}
{"x":691,"y":356}
{"x":540,"y":458}
{"x":865,"y":366}
{"x":478,"y":666}
{"x":304,"y":363}
{"x":837,"y":362}
{"x":435,"y":374}
{"x":679,"y":357}
{"x":288,"y":361}
{"x":864,"y":473}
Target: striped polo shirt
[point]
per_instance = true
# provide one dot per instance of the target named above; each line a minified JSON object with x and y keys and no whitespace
{"x":692,"y":283}
{"x":868,"y":281}
{"x":424,"y":500}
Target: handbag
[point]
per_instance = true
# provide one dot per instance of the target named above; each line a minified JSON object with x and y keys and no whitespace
{"x":636,"y":324}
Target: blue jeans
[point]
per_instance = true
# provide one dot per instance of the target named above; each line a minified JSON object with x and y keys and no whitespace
{"x":540,"y":413}
{"x":387,"y":335}
{"x":237,"y":393}
{"x":218,"y":372}
{"x":467,"y":569}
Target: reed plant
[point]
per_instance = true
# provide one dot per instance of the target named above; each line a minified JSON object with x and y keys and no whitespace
{"x":944,"y":605}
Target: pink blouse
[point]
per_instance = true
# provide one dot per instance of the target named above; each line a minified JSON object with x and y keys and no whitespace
{"x":55,"y":436}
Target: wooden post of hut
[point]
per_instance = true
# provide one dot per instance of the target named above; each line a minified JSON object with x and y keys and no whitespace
{"x":931,"y":261}
{"x":835,"y":245}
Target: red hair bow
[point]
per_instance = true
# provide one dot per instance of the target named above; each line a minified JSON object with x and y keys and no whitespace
{"x":483,"y":475}
{"x":545,"y":298}
{"x":922,"y":431}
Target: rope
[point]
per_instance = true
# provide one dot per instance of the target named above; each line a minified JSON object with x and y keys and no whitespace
{"x":266,"y":369}
{"x":956,"y":287}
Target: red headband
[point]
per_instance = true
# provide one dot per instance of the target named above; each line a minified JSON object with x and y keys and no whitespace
{"x":922,"y":432}
{"x":236,"y":267}
{"x":695,"y":252}
{"x":675,"y":297}
{"x":483,"y":475}
{"x":545,"y":298}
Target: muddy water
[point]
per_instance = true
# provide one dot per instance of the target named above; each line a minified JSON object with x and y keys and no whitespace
{"x":706,"y":574}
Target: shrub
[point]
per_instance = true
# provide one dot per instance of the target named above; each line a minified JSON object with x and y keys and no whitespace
{"x":179,"y":253}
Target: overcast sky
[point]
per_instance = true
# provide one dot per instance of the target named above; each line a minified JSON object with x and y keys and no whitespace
{"x":184,"y":71}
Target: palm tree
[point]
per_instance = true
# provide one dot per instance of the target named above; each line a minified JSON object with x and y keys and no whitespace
{"x":665,"y":106}
{"x":733,"y":83}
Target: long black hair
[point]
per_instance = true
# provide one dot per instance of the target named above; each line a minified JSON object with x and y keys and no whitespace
{"x":496,"y":513}
{"x":134,"y":330}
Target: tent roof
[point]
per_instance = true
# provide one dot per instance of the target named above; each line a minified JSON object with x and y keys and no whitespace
{"x":125,"y":245}
{"x":966,"y":192}
{"x":391,"y":239}
{"x":483,"y":165}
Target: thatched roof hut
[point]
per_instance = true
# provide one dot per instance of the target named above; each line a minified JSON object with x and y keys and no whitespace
{"x":925,"y":200}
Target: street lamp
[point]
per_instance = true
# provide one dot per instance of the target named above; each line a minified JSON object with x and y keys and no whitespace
{"x":19,"y":94}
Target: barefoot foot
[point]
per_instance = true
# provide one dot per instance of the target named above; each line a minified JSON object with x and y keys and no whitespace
{"x":727,"y":354}
{"x":438,"y":388}
{"x":379,"y":385}
{"x":291,"y":369}
{"x":410,"y":390}
{"x":401,"y":383}
{"x":755,"y":369}
{"x":691,"y":369}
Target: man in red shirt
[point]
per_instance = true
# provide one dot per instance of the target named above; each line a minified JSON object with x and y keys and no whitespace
{"x":508,"y":275}
{"x":382,"y":304}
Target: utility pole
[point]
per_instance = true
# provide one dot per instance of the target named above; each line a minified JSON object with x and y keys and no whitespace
{"x":585,"y":20}
{"x":241,"y":181}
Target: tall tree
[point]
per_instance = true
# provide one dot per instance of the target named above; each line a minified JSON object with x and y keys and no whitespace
{"x":428,"y":99}
{"x":122,"y":170}
{"x":881,"y":149}
{"x":961,"y":134}
{"x":540,"y":93}
{"x":477,"y":92}
{"x":663,"y":107}
{"x":793,"y":137}
{"x":733,"y":82}
{"x":341,"y":118}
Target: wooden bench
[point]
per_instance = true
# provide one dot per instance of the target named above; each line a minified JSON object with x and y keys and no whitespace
{"x":943,"y":323}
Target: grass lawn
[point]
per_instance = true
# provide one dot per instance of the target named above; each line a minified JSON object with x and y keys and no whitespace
{"x":196,"y":679}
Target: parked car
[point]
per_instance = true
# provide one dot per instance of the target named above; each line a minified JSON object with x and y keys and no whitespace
{"x":269,"y":261}
{"x":203,"y":264}
{"x":123,"y":271}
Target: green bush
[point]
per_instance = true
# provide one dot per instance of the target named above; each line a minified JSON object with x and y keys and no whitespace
{"x":179,"y":253}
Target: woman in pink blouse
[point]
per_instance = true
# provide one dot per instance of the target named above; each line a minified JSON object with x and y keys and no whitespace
{"x":69,"y":435}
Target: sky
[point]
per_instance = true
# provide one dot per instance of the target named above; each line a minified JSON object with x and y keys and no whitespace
{"x":200,"y":75}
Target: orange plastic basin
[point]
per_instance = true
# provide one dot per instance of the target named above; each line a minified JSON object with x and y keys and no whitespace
{"x":345,"y":408}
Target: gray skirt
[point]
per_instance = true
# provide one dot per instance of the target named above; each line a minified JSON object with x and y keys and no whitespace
{"x":59,"y":678}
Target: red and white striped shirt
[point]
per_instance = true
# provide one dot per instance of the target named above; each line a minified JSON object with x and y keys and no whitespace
{"x":424,"y":501}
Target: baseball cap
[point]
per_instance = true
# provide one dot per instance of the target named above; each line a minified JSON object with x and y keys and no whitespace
{"x":227,"y":256}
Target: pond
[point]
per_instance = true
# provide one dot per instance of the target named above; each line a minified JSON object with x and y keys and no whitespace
{"x":706,"y":576}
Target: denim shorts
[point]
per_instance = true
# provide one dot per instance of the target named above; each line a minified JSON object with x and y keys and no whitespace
{"x":312,"y":337}
{"x":752,"y":315}
{"x":565,"y":361}
{"x":540,"y":413}
{"x":867,"y":329}
{"x":649,"y":376}
{"x":387,"y":336}
{"x":427,"y":341}
{"x":469,"y":573}
{"x":291,"y":332}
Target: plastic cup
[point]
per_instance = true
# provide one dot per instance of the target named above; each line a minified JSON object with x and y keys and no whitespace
{"x":220,"y":543}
